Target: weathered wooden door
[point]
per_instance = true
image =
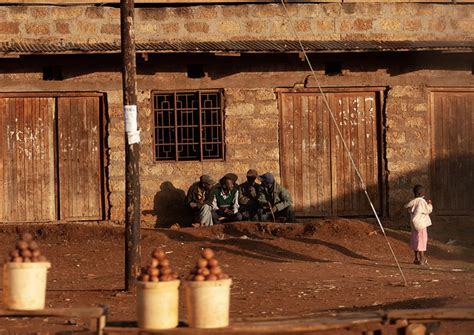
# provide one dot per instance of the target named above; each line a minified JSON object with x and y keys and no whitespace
{"x":314,"y":164}
{"x":356,"y":115}
{"x":452,"y":173}
{"x":50,"y":158}
{"x":305,"y":150}
{"x":80,"y":183}
{"x":27,"y":189}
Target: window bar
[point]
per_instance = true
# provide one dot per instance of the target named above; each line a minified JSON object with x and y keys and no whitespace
{"x":201,"y":149}
{"x":175,"y":127}
{"x":222,"y":125}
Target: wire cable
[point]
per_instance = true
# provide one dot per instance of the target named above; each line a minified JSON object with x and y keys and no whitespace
{"x":361,"y":179}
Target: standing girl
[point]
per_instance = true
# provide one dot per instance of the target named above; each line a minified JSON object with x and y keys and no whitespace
{"x":419,"y":210}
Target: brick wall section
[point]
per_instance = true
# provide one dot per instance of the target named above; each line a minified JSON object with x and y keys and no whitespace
{"x":251,"y":127}
{"x":408,"y":143}
{"x":330,"y":21}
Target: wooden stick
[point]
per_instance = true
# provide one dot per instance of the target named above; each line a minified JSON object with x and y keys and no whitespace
{"x":271,"y":211}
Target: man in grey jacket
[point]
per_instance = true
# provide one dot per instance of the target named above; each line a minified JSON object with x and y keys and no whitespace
{"x":248,"y":197}
{"x":275,"y":199}
{"x":198,"y":199}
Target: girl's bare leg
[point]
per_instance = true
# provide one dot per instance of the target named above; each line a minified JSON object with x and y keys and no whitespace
{"x":417,"y":258}
{"x":422,"y":257}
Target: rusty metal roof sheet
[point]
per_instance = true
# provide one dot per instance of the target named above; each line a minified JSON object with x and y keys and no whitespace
{"x":264,"y":46}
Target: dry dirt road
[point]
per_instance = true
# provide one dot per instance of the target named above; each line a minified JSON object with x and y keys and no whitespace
{"x":306,"y":269}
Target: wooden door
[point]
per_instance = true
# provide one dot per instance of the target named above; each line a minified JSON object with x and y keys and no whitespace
{"x":452,"y":174}
{"x":314,"y":164}
{"x":27,"y":187}
{"x":356,"y":116}
{"x":79,"y":158}
{"x":305,"y":152}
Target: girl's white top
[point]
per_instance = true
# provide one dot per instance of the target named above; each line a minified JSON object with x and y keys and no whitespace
{"x":419,"y":211}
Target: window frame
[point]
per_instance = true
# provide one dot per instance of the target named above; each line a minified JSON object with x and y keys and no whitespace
{"x":201,"y":159}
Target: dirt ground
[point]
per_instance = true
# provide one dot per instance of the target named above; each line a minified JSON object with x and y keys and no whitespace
{"x":307,"y":269}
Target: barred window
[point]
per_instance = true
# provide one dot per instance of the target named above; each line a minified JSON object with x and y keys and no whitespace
{"x":188,"y":125}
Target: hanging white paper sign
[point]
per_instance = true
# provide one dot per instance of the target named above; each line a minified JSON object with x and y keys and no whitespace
{"x":130,"y":116}
{"x":133,"y":137}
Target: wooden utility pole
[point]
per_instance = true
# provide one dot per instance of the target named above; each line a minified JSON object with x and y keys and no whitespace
{"x":132,"y":145}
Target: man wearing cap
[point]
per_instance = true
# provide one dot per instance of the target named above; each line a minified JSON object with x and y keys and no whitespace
{"x":275,"y":200}
{"x":199,"y":200}
{"x":248,"y":197}
{"x":225,"y":201}
{"x":233,"y":177}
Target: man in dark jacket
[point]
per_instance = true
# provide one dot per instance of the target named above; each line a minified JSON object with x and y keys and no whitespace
{"x":248,"y":197}
{"x":225,"y":201}
{"x":275,"y":199}
{"x":198,"y":199}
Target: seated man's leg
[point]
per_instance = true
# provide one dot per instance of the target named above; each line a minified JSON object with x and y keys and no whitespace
{"x":288,"y":213}
{"x":236,"y":217}
{"x":206,"y":215}
{"x":218,"y":216}
{"x":255,"y":215}
{"x":291,"y":215}
{"x":265,"y":216}
{"x":230,"y":218}
{"x":249,"y":214}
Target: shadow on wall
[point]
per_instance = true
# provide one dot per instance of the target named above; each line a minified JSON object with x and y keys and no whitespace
{"x":169,"y":207}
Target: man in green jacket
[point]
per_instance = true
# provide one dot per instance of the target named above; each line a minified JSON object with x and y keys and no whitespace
{"x":198,"y":199}
{"x":248,"y":197}
{"x":275,"y":200}
{"x":225,"y":201}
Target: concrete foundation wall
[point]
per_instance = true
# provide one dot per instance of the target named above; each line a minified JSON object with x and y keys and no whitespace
{"x":323,"y":21}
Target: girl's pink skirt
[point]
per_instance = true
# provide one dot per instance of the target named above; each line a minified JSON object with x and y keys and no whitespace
{"x":419,"y":239}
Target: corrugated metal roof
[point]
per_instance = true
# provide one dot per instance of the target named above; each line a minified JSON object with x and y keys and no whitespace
{"x":264,"y":46}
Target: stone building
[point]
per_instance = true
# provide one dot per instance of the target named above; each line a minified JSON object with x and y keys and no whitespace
{"x":224,"y":87}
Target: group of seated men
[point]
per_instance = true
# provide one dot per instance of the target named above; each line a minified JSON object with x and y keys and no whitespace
{"x":227,"y":201}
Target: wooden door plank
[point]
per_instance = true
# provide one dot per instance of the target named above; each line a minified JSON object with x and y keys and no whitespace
{"x":362,"y":113}
{"x":3,"y":157}
{"x":355,"y":149}
{"x":305,"y":181}
{"x":20,"y":167}
{"x":50,"y":159}
{"x":325,"y":161}
{"x":11,"y":159}
{"x":285,"y":127}
{"x":374,"y":175}
{"x":313,"y":162}
{"x":290,"y":160}
{"x":95,"y":203}
{"x":30,"y":148}
{"x":298,"y":147}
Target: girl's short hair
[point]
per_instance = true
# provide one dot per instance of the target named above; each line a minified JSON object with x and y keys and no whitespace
{"x":418,"y":190}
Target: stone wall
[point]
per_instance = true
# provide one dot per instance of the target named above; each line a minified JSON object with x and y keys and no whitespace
{"x":322,"y":21}
{"x":408,"y":143}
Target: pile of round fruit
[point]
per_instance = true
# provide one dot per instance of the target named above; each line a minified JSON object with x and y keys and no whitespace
{"x":158,"y":269}
{"x":207,"y":268}
{"x":26,"y":251}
